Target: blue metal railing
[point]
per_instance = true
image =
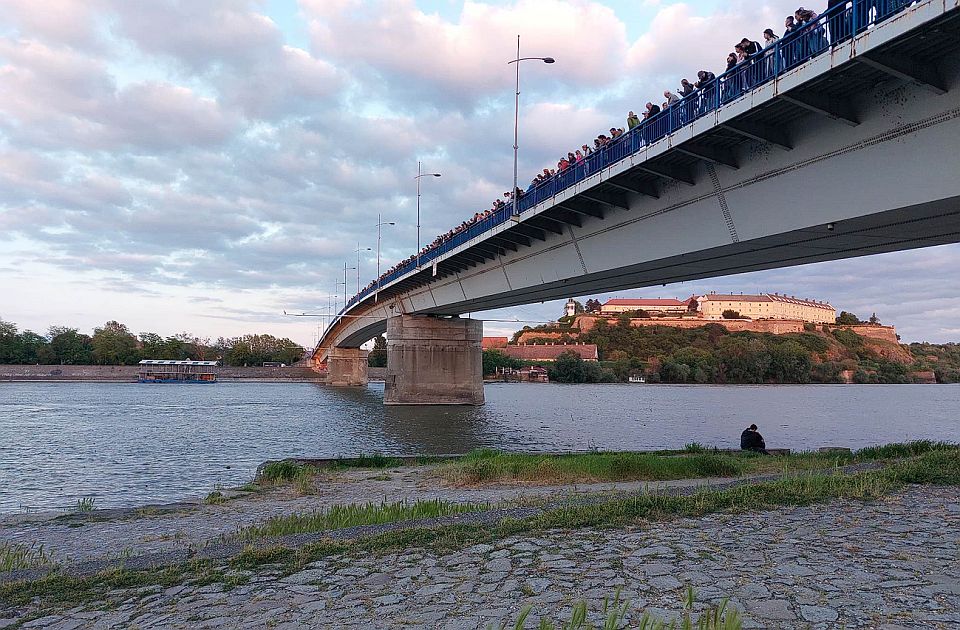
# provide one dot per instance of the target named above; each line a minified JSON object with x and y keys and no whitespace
{"x":837,"y":25}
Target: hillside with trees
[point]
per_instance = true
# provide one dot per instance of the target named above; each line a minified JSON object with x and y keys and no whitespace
{"x":114,"y":344}
{"x":712,"y":354}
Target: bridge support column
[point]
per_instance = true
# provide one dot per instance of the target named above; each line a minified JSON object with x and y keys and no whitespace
{"x":347,"y":367}
{"x":433,"y":361}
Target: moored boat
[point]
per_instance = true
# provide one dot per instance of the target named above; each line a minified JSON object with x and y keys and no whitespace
{"x":168,"y":371}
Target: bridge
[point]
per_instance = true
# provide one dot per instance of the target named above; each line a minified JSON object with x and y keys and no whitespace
{"x":841,"y":140}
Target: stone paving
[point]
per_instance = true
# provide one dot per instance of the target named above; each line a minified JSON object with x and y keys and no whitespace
{"x":73,"y":538}
{"x":888,"y":564}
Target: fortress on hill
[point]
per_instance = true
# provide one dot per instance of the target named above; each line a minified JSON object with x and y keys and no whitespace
{"x":774,"y":313}
{"x":713,"y":306}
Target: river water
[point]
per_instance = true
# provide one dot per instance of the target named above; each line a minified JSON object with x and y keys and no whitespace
{"x":128,"y":444}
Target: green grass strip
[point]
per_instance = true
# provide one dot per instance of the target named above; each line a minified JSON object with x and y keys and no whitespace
{"x":491,"y":466}
{"x":341,"y":516}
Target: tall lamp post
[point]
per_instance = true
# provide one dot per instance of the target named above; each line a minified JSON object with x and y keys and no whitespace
{"x":516,"y":122}
{"x":345,"y":268}
{"x":419,"y":176}
{"x":360,"y":249}
{"x":380,"y":223}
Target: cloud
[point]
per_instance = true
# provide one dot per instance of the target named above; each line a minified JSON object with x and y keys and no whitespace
{"x":57,"y":98}
{"x":72,"y":23}
{"x":458,"y":62}
{"x":680,"y":40}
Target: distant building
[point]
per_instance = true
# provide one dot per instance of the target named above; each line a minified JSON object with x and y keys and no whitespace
{"x":765,"y":306}
{"x":670,"y":307}
{"x":490,"y":343}
{"x":570,"y":308}
{"x":550,"y":352}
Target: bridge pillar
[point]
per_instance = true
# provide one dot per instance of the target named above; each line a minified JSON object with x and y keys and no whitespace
{"x":347,"y":367}
{"x":433,"y":361}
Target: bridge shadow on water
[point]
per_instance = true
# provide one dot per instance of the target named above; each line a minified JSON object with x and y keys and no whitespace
{"x":415,"y":429}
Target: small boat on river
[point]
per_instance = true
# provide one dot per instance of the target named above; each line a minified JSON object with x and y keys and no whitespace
{"x":167,"y":371}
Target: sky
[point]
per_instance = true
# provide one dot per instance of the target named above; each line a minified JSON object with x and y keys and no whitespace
{"x":205,"y":166}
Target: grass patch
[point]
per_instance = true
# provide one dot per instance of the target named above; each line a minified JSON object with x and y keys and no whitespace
{"x":486,"y":466}
{"x":283,"y":471}
{"x":939,"y":466}
{"x":491,"y":466}
{"x":215,"y":498}
{"x":301,"y":477}
{"x":14,"y":556}
{"x":340,"y":516}
{"x":86,"y":504}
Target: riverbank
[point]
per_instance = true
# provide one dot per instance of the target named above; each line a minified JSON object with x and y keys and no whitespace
{"x":128,"y":374}
{"x":888,"y":564}
{"x":452,"y":554}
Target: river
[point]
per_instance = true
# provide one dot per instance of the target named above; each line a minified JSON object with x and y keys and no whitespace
{"x":128,"y":444}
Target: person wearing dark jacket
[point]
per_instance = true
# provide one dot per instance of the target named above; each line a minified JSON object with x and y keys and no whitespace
{"x":750,"y":47}
{"x":751,"y":440}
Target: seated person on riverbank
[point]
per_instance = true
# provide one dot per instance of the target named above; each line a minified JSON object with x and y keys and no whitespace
{"x":751,"y":440}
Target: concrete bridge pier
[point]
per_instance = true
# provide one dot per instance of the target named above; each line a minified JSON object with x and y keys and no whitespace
{"x":433,"y":361}
{"x":347,"y":367}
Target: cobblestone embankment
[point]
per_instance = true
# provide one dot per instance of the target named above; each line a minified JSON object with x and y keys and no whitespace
{"x":888,"y":564}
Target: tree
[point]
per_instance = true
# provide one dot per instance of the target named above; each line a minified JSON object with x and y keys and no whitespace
{"x":730,"y":314}
{"x":592,"y":306}
{"x":569,"y":367}
{"x":114,"y":344}
{"x":9,"y":342}
{"x":378,"y":356}
{"x":494,"y":360}
{"x":874,"y":320}
{"x":69,"y":346}
{"x":848,"y":319}
{"x":252,"y":350}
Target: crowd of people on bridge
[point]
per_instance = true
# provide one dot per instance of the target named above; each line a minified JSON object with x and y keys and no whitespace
{"x":750,"y":62}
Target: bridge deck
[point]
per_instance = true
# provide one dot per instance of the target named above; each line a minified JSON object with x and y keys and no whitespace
{"x":752,"y":109}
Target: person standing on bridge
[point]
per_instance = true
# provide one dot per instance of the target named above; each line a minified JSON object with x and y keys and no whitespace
{"x":751,"y":440}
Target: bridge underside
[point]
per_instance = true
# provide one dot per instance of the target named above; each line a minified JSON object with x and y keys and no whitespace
{"x":854,"y":153}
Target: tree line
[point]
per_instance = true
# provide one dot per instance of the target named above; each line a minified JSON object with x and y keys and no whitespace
{"x":114,"y":344}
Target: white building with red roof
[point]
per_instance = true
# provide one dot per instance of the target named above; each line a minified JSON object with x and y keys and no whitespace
{"x":765,"y":306}
{"x":654,"y":306}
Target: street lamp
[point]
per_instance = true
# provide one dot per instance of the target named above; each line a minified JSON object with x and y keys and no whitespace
{"x":345,"y":268}
{"x":419,"y":175}
{"x":380,"y":223}
{"x":358,"y":250}
{"x":516,"y":123}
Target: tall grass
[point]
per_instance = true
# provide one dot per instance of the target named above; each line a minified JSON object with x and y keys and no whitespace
{"x":493,"y":466}
{"x":340,"y":516}
{"x":287,"y":472}
{"x":905,"y":449}
{"x":615,"y":612}
{"x":14,"y":556}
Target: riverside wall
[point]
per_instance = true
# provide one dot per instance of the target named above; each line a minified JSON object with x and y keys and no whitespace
{"x":128,"y":373}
